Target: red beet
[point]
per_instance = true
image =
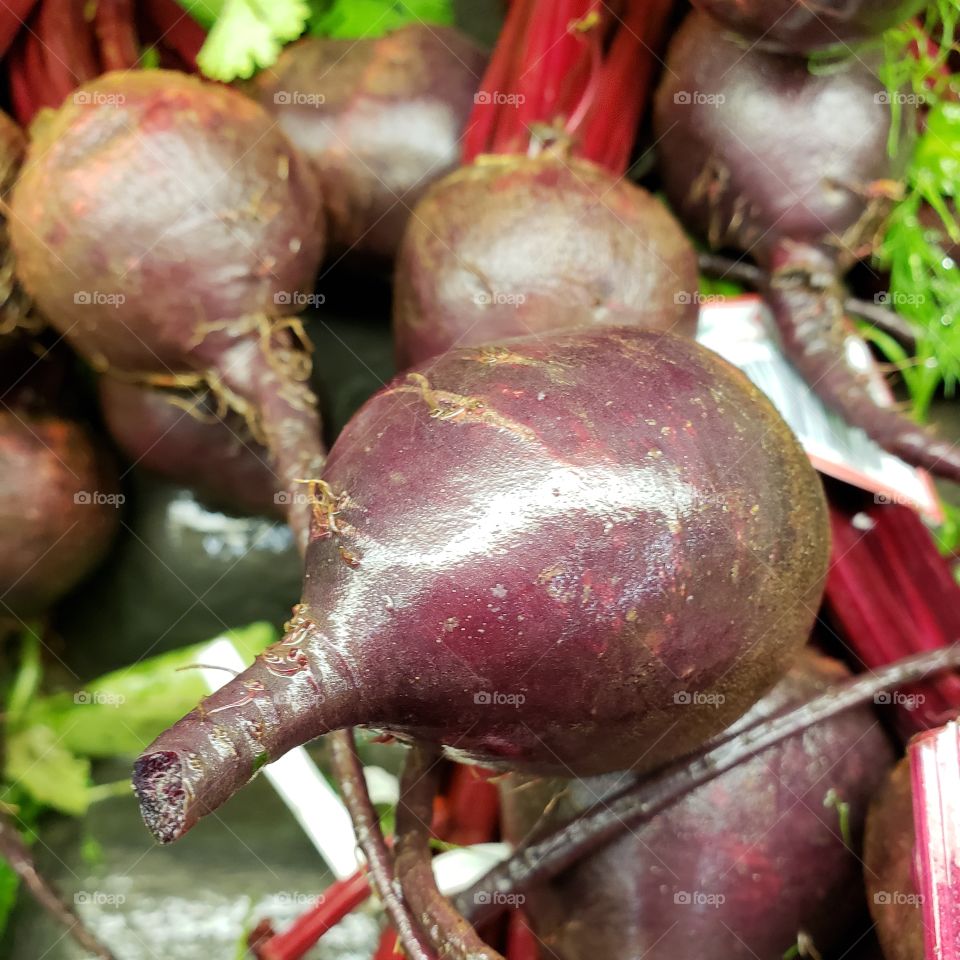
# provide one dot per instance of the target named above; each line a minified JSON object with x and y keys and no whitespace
{"x":530,"y":555}
{"x":163,"y":225}
{"x":14,"y":304}
{"x":889,"y":869}
{"x":738,"y":867}
{"x":520,"y":245}
{"x":380,"y":119}
{"x":58,"y":509}
{"x":798,"y":26}
{"x":183,"y":436}
{"x":760,"y":153}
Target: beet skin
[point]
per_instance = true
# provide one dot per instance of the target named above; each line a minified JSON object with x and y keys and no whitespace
{"x":58,"y":509}
{"x":569,"y":554}
{"x":379,"y":118}
{"x":798,"y":26}
{"x":183,"y":437}
{"x":511,"y":246}
{"x":735,"y":869}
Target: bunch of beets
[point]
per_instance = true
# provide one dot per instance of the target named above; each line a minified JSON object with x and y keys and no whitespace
{"x":574,"y":560}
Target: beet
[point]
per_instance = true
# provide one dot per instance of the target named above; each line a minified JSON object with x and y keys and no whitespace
{"x":798,"y":26}
{"x":58,"y":508}
{"x":14,"y":304}
{"x":520,"y":245}
{"x":164,"y":226}
{"x":380,"y":118}
{"x":889,"y":868}
{"x":183,"y":437}
{"x":735,"y":869}
{"x":531,"y":555}
{"x":760,"y":153}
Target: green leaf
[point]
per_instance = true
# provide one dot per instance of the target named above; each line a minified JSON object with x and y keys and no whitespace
{"x":349,"y":19}
{"x":122,"y":712}
{"x":9,"y":883}
{"x":42,"y":766}
{"x":936,"y":163}
{"x":249,"y":34}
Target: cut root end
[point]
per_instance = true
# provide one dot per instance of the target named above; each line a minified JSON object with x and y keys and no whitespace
{"x":159,"y":785}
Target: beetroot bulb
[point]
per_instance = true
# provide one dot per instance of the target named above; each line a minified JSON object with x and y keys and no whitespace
{"x":735,"y":869}
{"x":798,"y":26}
{"x":526,"y":554}
{"x":543,"y":233}
{"x":759,"y":153}
{"x":14,"y":305}
{"x":184,"y":437}
{"x":379,"y":118}
{"x":162,"y":224}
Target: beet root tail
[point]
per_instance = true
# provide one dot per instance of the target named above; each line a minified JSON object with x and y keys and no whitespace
{"x":813,"y":332}
{"x":288,"y":696}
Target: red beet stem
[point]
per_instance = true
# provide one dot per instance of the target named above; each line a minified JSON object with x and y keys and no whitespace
{"x":451,"y":934}
{"x":176,"y":30}
{"x":67,"y":42}
{"x":21,"y":91}
{"x":522,"y":943}
{"x":935,"y":775}
{"x":892,"y":594}
{"x":542,"y":859}
{"x":808,"y":311}
{"x":12,"y":18}
{"x":338,"y":900}
{"x":116,"y":34}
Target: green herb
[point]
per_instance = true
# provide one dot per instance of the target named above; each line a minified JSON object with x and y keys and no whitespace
{"x":247,"y":35}
{"x":832,"y":799}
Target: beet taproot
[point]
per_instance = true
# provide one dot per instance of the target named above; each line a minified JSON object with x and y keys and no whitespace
{"x":184,"y":437}
{"x":512,"y":245}
{"x":531,"y":555}
{"x":760,"y":153}
{"x":380,"y":119}
{"x":889,"y":858}
{"x":798,"y":26}
{"x":736,"y":869}
{"x":59,"y":508}
{"x":165,"y":226}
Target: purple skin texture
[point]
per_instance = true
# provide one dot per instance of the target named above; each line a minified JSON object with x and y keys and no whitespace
{"x":56,"y":521}
{"x":761,"y":154}
{"x":163,"y":224}
{"x":380,"y":119}
{"x":511,"y":246}
{"x":214,"y":455}
{"x":799,"y":26}
{"x":735,"y":869}
{"x":525,"y":554}
{"x":889,"y":855}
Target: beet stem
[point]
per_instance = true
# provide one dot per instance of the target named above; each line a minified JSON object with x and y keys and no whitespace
{"x":542,"y":859}
{"x":349,"y":771}
{"x":18,"y":856}
{"x":451,"y":934}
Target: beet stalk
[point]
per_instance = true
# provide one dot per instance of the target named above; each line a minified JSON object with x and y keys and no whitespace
{"x":542,"y":859}
{"x":176,"y":265}
{"x":540,"y":556}
{"x":541,"y":230}
{"x":762,"y":154}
